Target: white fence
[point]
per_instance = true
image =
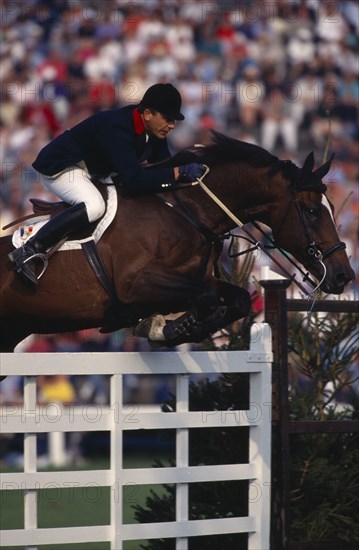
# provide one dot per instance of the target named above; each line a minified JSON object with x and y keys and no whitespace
{"x":31,"y":420}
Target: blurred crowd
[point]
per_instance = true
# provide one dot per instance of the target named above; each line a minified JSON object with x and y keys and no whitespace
{"x":283,"y":74}
{"x":276,"y":73}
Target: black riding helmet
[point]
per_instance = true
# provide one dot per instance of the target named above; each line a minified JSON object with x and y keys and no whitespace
{"x":165,"y":99}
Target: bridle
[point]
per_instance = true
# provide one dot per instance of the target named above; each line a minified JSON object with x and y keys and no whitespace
{"x":313,"y":250}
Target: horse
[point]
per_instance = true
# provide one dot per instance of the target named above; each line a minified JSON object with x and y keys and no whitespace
{"x":160,"y":251}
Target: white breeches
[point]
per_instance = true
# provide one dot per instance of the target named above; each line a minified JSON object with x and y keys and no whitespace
{"x":74,"y":186}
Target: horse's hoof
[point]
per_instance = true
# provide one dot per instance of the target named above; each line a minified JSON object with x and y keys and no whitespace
{"x":151,"y":328}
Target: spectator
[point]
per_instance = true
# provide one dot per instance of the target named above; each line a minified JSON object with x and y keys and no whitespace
{"x":327,"y":110}
{"x":179,"y":36}
{"x":55,"y":389}
{"x":301,"y":47}
{"x":11,"y":391}
{"x":250,"y":93}
{"x":160,"y":65}
{"x":331,"y":25}
{"x":278,"y":121}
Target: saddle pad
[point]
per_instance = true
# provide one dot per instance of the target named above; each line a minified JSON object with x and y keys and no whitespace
{"x":30,"y":228}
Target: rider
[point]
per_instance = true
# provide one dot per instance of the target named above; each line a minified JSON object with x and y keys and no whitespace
{"x":118,"y":142}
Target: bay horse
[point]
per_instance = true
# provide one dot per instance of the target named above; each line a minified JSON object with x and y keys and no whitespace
{"x":160,"y":251}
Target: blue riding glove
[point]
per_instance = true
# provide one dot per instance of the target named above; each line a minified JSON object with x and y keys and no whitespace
{"x":190,"y":172}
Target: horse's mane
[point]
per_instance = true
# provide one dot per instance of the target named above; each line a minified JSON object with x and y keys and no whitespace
{"x":223,"y":149}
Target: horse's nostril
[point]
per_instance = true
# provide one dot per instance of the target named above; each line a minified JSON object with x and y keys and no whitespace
{"x":341,"y":278}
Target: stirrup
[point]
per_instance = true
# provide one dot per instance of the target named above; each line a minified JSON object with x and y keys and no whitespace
{"x":40,"y":256}
{"x":28,"y":275}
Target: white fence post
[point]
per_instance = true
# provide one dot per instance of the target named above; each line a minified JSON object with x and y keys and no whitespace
{"x":182,"y":452}
{"x":30,"y":456}
{"x":116,"y":461}
{"x":260,"y":440}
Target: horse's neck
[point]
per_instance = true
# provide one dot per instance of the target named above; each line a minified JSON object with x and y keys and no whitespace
{"x":243,"y":190}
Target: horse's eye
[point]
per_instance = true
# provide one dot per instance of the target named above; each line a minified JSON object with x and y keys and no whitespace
{"x":312,"y":214}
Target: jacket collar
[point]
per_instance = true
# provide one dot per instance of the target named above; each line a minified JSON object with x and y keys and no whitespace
{"x":138,"y":122}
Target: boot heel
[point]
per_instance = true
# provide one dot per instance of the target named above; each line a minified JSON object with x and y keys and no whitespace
{"x":15,"y":255}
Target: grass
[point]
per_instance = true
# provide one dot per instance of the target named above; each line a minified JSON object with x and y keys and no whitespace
{"x":79,"y":506}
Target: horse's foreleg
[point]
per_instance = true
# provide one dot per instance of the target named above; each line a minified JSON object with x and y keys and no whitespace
{"x":157,"y":286}
{"x":152,"y":327}
{"x":10,"y":338}
{"x":204,"y":305}
{"x":233,"y":303}
{"x":160,"y":289}
{"x":208,"y":305}
{"x":236,"y":300}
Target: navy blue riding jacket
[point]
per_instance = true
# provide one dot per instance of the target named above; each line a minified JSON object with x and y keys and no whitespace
{"x":110,"y":141}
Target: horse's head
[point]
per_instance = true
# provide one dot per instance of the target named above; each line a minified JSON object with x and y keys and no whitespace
{"x":294,"y":205}
{"x":308,"y":231}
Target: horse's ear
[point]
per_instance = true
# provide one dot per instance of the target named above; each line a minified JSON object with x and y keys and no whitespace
{"x":308,"y":163}
{"x":324,"y":169}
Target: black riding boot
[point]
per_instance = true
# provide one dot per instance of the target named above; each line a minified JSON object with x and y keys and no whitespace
{"x":33,"y":251}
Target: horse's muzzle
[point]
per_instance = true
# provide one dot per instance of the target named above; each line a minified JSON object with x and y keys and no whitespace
{"x":335,"y":281}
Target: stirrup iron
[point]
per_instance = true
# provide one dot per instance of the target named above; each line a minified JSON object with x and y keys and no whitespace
{"x":40,"y":256}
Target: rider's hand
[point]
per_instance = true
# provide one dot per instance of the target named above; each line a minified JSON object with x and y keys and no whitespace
{"x":190,"y":172}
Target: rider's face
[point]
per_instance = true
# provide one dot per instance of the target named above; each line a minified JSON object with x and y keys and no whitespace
{"x":157,"y":124}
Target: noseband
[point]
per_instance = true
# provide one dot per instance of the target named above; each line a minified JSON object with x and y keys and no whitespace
{"x":313,"y":250}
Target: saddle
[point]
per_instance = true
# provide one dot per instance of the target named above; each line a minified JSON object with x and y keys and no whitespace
{"x":49,"y":209}
{"x":43,"y":210}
